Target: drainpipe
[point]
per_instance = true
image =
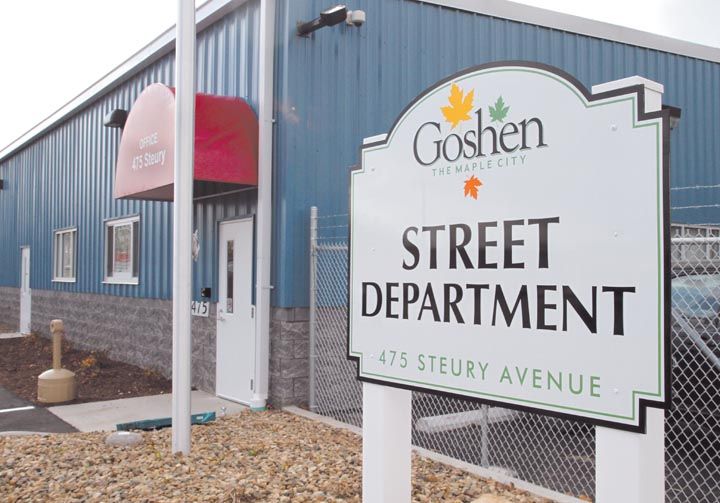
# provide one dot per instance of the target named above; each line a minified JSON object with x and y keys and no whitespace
{"x":263,"y":253}
{"x":313,"y":302}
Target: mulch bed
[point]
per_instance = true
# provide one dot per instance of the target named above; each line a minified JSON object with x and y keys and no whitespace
{"x":251,"y":457}
{"x":22,"y":360}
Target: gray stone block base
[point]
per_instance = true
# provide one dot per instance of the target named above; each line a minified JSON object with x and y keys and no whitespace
{"x":131,"y":330}
{"x":10,"y":307}
{"x":289,"y":357}
{"x":139,"y":331}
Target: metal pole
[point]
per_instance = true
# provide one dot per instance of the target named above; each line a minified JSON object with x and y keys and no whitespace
{"x":313,"y":300}
{"x":695,"y":241}
{"x":484,"y":436}
{"x":182,"y":224}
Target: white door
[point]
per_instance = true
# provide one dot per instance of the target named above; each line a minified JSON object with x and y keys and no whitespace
{"x":25,"y":293}
{"x":235,"y":312}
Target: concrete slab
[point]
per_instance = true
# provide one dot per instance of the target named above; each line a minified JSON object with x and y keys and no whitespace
{"x":12,"y":335}
{"x":103,"y":416}
{"x":23,"y":433}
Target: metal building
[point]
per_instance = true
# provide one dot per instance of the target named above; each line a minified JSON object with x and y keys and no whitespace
{"x":71,"y":250}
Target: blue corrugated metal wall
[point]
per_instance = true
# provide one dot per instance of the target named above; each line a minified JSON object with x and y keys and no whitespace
{"x":344,"y":84}
{"x":9,"y":247}
{"x":65,"y":178}
{"x":332,"y":90}
{"x":207,"y":213}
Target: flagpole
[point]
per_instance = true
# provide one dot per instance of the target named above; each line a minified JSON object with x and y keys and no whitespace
{"x":182,"y":224}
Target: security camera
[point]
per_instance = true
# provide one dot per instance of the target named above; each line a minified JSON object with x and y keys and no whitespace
{"x":355,"y":18}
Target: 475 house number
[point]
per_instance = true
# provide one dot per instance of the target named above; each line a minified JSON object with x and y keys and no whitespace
{"x":391,"y":358}
{"x":200,"y":308}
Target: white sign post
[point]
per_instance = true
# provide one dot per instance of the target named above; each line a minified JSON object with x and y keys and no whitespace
{"x":386,"y":444}
{"x":628,"y":466}
{"x":509,"y":244}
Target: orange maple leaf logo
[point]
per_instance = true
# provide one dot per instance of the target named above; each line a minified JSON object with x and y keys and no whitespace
{"x":471,"y":186}
{"x":460,"y":106}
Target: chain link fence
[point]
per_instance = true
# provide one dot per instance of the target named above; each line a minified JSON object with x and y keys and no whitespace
{"x":554,"y":453}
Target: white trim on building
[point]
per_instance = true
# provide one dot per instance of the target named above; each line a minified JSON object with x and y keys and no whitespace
{"x":207,"y":14}
{"x":122,"y":255}
{"x":213,"y":10}
{"x":65,"y":255}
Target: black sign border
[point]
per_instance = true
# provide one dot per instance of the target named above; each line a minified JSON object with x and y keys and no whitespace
{"x":664,"y":115}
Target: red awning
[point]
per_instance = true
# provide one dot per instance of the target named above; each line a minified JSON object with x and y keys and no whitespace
{"x":226,"y":144}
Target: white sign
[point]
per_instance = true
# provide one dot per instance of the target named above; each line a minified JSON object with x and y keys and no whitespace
{"x":200,"y":308}
{"x":508,"y":244}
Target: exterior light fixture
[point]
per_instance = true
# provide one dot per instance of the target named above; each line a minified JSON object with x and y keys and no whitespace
{"x":115,"y":118}
{"x":328,"y":17}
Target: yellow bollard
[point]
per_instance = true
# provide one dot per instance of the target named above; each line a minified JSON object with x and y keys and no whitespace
{"x":58,"y":384}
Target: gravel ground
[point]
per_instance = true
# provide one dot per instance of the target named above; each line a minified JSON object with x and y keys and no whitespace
{"x":251,"y":457}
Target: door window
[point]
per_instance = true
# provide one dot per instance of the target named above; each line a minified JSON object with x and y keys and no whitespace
{"x":230,"y":281}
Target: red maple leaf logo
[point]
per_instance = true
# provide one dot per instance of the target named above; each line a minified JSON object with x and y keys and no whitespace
{"x":471,"y":186}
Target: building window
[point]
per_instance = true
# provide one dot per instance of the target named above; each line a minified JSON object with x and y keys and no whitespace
{"x":122,"y":250}
{"x":64,"y":255}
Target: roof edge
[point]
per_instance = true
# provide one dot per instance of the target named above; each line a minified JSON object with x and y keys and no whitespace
{"x":206,"y":15}
{"x":529,"y":14}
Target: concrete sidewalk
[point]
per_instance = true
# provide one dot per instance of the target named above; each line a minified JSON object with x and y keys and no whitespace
{"x":11,"y":335}
{"x":103,"y":416}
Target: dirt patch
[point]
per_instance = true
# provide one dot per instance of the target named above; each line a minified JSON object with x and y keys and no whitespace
{"x":251,"y":457}
{"x":98,"y":377}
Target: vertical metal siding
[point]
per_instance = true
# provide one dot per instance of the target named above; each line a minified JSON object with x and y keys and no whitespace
{"x":344,"y":84}
{"x":66,"y":177}
{"x":9,"y":242}
{"x":332,"y":90}
{"x":207,"y":214}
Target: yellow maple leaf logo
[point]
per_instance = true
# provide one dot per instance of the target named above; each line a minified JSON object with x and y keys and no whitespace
{"x":459,"y":106}
{"x":471,"y":187}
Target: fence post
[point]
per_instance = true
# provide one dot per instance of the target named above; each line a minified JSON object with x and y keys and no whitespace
{"x":484,"y":436}
{"x":313,"y":301}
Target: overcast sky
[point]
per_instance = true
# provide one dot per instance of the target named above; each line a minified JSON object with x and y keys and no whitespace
{"x":52,"y":50}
